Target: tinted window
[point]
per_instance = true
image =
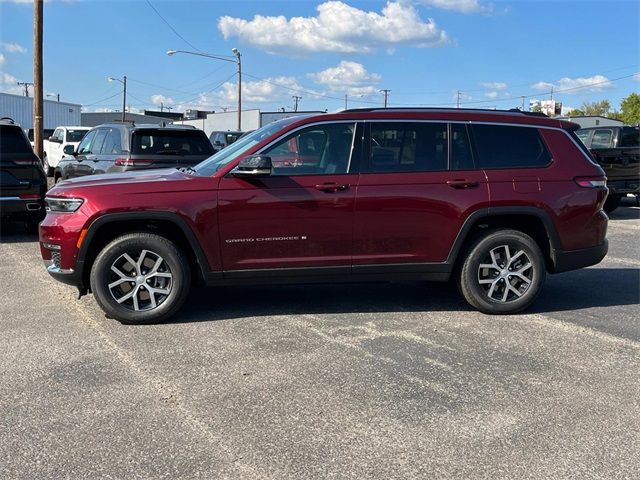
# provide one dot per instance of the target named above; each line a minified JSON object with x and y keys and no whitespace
{"x":583,"y":135}
{"x":501,"y":146}
{"x":321,"y":149}
{"x":12,"y":140}
{"x":601,"y":139}
{"x":58,"y":135}
{"x":407,"y":147}
{"x":170,"y":142}
{"x":98,"y":141}
{"x":85,"y":146}
{"x":630,"y":137}
{"x":75,"y":135}
{"x":112,"y":144}
{"x":461,"y":157}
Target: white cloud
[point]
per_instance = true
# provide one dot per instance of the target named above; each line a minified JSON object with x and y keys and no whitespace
{"x":492,"y":94}
{"x":500,"y":86}
{"x":267,"y":90}
{"x":347,"y":77}
{"x":338,"y":27}
{"x":463,"y":6}
{"x":162,"y":100}
{"x":636,"y":77}
{"x":13,"y":47}
{"x":3,"y":60}
{"x":9,"y":84}
{"x":578,"y":85}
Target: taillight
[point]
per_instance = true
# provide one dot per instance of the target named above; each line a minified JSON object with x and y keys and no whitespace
{"x":130,"y":162}
{"x":27,"y":162}
{"x":591,"y":182}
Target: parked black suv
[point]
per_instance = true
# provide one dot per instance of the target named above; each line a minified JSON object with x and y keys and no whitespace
{"x":617,"y":150}
{"x":22,"y":180}
{"x":120,"y":147}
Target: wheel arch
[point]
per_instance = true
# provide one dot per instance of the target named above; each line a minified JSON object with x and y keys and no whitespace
{"x":535,"y":222}
{"x":110,"y":226}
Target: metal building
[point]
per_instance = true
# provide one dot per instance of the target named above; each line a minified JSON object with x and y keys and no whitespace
{"x":20,"y":109}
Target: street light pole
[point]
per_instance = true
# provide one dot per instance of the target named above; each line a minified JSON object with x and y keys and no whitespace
{"x":124,"y":93}
{"x":57,"y":95}
{"x":235,"y":59}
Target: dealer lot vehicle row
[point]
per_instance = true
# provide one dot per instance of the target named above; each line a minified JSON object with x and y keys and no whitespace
{"x":493,"y":199}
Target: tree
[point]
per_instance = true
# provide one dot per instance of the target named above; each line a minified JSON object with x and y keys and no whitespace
{"x":596,"y":108}
{"x":576,"y":112}
{"x":536,"y":108}
{"x":630,"y":107}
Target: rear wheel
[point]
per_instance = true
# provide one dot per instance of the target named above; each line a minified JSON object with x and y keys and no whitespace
{"x":612,"y":202}
{"x":503,"y":272}
{"x":140,"y":278}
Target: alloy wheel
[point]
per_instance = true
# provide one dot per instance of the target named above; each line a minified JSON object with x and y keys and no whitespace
{"x":505,"y":274}
{"x":141,"y":283}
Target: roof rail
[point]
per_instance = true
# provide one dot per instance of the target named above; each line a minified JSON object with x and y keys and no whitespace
{"x":8,"y":119}
{"x":441,"y":109}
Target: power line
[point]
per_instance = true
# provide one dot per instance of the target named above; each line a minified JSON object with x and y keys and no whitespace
{"x":173,"y":29}
{"x":103,"y":100}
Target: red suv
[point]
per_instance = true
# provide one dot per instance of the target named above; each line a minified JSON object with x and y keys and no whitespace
{"x":492,"y":199}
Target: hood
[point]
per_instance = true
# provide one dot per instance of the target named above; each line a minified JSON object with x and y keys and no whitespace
{"x":138,"y":179}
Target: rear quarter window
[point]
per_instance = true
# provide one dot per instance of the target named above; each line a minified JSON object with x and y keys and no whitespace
{"x":167,"y":142}
{"x":502,"y":146}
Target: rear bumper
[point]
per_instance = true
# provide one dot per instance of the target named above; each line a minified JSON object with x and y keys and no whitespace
{"x":566,"y":260}
{"x":14,"y":207}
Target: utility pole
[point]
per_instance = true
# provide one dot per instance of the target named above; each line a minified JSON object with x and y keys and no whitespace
{"x":26,"y":86}
{"x":523,"y":103}
{"x":458,"y":99}
{"x":124,"y":98}
{"x":345,"y":101}
{"x":385,"y":92}
{"x":551,"y":96}
{"x":38,"y":103}
{"x":161,"y":106}
{"x":296,"y":99}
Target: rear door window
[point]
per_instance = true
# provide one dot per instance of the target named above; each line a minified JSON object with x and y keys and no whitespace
{"x":112,"y":144}
{"x":461,"y":156}
{"x":75,"y":135}
{"x":630,"y":137}
{"x":170,"y":142}
{"x":407,"y":147}
{"x":602,"y":139}
{"x":502,"y":146}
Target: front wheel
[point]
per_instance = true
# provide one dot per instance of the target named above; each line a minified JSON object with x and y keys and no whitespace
{"x":140,"y":278}
{"x":503,"y":272}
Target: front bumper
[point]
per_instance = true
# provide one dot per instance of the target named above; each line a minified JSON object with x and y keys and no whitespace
{"x":567,"y":260}
{"x":64,"y":275}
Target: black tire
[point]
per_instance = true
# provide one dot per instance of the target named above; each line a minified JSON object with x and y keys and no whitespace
{"x":175,"y":265}
{"x":611,"y":203}
{"x":479,"y":253}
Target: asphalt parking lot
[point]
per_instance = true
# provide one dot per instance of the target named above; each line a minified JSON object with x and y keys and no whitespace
{"x":362,"y":381}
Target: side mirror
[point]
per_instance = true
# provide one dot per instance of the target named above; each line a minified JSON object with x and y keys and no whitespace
{"x":253,"y":166}
{"x":69,"y":150}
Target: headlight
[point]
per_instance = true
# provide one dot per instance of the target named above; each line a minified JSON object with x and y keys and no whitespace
{"x":64,"y":205}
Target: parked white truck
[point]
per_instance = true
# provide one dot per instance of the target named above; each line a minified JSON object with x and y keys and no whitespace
{"x":54,"y":145}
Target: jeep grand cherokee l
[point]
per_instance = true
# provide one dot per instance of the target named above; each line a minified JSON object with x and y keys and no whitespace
{"x":492,"y":199}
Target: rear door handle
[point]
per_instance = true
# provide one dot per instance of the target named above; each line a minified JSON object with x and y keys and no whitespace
{"x":332,"y":187}
{"x":461,"y":183}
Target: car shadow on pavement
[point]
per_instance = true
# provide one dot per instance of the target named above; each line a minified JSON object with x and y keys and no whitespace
{"x":628,"y":210}
{"x":15,"y":232}
{"x":577,"y":290}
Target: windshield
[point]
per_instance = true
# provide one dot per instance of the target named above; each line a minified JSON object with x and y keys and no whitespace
{"x":242,"y":145}
{"x":75,"y":135}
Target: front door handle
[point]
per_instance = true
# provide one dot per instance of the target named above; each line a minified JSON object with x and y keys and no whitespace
{"x":462,"y":183}
{"x":332,"y":187}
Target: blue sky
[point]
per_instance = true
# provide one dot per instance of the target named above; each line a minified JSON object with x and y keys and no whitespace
{"x":421,"y":50}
